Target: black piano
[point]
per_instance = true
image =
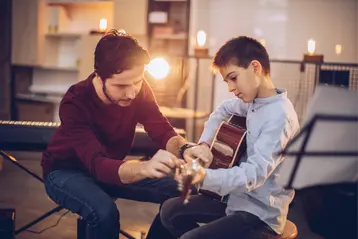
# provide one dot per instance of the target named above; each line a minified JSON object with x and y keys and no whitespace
{"x":34,"y":136}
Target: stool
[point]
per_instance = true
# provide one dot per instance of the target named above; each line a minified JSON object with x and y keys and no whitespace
{"x":289,"y":232}
{"x":82,"y":228}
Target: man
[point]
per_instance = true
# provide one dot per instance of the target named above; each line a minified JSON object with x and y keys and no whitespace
{"x":83,"y":165}
{"x":257,"y":206}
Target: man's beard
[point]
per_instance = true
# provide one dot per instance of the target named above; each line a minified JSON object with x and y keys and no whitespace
{"x":113,"y":101}
{"x":125,"y":102}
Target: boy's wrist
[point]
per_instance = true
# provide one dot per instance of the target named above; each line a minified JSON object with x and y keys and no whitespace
{"x":185,"y":147}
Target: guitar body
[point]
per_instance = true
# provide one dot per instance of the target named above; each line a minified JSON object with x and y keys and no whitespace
{"x":227,"y":147}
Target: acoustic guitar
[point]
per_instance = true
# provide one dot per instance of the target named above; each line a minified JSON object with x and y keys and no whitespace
{"x":228,"y":146}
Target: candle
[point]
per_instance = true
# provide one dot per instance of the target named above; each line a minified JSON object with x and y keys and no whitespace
{"x":311,"y":57}
{"x":201,"y":38}
{"x":200,"y":49}
{"x":103,"y":24}
{"x":338,"y":49}
{"x":311,"y":46}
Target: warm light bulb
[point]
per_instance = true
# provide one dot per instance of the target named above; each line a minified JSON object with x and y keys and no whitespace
{"x":201,"y":38}
{"x":158,"y":68}
{"x":338,"y":49}
{"x":311,"y":46}
{"x":103,"y":24}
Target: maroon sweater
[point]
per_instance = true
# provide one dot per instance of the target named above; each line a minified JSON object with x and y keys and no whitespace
{"x":96,"y":137}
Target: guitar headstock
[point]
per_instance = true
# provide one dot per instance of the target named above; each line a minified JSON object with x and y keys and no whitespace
{"x":186,"y":176}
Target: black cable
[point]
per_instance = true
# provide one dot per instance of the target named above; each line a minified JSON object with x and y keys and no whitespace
{"x":52,"y":226}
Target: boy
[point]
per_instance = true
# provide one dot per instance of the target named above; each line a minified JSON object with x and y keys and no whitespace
{"x":257,"y":206}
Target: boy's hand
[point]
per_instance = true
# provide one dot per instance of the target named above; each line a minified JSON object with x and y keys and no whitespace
{"x":193,"y":169}
{"x":201,"y":152}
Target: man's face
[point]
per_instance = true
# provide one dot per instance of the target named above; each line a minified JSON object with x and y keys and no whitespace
{"x":124,"y":87}
{"x":243,"y":83}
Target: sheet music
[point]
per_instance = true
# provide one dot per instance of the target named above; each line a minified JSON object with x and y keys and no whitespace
{"x":327,"y":136}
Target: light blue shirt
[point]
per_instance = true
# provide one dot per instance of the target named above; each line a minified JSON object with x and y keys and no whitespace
{"x":252,"y":186}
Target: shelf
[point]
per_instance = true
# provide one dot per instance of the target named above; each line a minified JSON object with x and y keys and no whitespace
{"x":64,"y":35}
{"x":69,"y":2}
{"x":49,"y":89}
{"x":170,"y":0}
{"x":58,"y":68}
{"x":171,"y":37}
{"x":39,"y":98}
{"x":182,"y":113}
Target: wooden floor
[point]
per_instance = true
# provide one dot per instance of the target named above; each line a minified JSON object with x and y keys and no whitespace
{"x":28,"y":197}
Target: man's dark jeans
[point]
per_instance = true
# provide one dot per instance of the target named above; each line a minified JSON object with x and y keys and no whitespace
{"x":83,"y":195}
{"x":182,"y":220}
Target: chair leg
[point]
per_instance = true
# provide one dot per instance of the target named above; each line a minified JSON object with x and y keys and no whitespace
{"x":44,"y":216}
{"x":81,"y":228}
{"x":126,"y":234}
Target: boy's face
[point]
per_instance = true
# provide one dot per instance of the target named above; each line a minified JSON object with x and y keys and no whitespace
{"x":124,"y":87}
{"x":244,"y":83}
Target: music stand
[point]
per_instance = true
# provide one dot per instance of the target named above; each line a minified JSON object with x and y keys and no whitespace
{"x":325,"y":150}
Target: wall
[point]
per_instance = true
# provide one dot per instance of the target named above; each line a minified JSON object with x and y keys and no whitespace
{"x":132,"y":17}
{"x":285,"y":25}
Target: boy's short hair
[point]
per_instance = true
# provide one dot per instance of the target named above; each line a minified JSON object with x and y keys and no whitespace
{"x":117,"y":51}
{"x":241,"y":51}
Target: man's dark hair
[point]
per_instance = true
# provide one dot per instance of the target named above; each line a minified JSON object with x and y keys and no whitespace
{"x":241,"y":51}
{"x":117,"y":51}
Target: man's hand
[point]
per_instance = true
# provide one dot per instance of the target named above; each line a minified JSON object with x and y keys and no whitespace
{"x":201,"y":152}
{"x":160,"y":165}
